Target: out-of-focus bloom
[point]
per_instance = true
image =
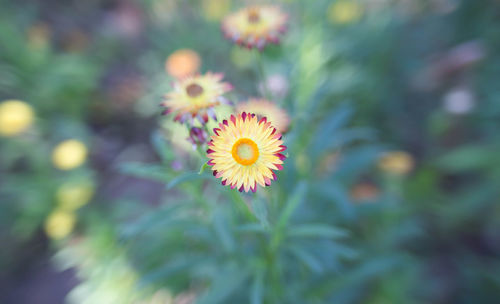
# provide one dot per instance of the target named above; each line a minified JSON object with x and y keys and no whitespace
{"x":459,"y":101}
{"x":241,"y":58}
{"x":277,"y":85}
{"x":38,"y":36}
{"x":396,"y":162}
{"x":255,"y":26}
{"x":195,"y":97}
{"x":75,"y":41}
{"x":344,"y":12}
{"x":126,"y":20}
{"x":69,"y":154}
{"x":214,"y":10}
{"x":59,"y":224}
{"x":182,"y":63}
{"x":264,"y":108}
{"x":15,"y":117}
{"x":73,"y":195}
{"x":364,"y":191}
{"x":244,"y":152}
{"x":197,"y":136}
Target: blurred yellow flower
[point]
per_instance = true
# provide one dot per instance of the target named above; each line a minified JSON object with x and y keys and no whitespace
{"x":38,"y":36}
{"x":73,"y":195}
{"x":344,"y":12}
{"x":397,"y":162}
{"x":214,"y":10}
{"x":59,"y":224}
{"x":15,"y":117}
{"x":183,"y":63}
{"x":69,"y":154}
{"x":264,"y":108}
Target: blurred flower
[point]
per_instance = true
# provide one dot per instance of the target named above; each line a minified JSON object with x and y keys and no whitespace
{"x":242,"y":58}
{"x":73,"y":195}
{"x":182,"y":63}
{"x":126,"y":20}
{"x":364,"y":191}
{"x":59,"y":224}
{"x":38,"y":35}
{"x":15,"y":117}
{"x":69,"y":154}
{"x":264,"y":108}
{"x":197,"y":136}
{"x":75,"y":41}
{"x":255,"y":26}
{"x":396,"y":162}
{"x":214,"y":10}
{"x":277,"y":85}
{"x":459,"y":101}
{"x":344,"y":11}
{"x":244,"y":152}
{"x":196,"y":97}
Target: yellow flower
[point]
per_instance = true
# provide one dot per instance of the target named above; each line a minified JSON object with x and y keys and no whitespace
{"x":73,"y":195}
{"x":183,"y":63}
{"x":215,"y":9}
{"x":196,"y":97}
{"x":397,"y":162}
{"x":264,"y":108}
{"x":344,"y":11}
{"x":69,"y":154}
{"x":59,"y":224}
{"x":255,"y":26}
{"x":15,"y":117}
{"x":244,"y":152}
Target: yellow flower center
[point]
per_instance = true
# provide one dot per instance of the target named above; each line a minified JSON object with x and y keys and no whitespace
{"x":245,"y":151}
{"x":194,"y":90}
{"x":253,"y":16}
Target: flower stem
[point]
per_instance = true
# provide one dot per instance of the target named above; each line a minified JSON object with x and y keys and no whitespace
{"x":262,"y":75}
{"x":242,"y":205}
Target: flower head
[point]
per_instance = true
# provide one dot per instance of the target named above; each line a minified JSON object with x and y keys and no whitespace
{"x":264,"y":108}
{"x":59,"y":224}
{"x":196,"y":97}
{"x":69,"y":154}
{"x":197,"y":136}
{"x":255,"y":26}
{"x":182,"y":63}
{"x":396,"y":162}
{"x":244,"y":152}
{"x":15,"y":117}
{"x":73,"y":195}
{"x":344,"y":12}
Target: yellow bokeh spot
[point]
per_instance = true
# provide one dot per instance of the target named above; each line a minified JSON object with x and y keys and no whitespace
{"x":182,"y":63}
{"x":15,"y":117}
{"x":397,"y":162}
{"x":73,"y":195}
{"x":69,"y":154}
{"x":344,"y":12}
{"x":214,"y":10}
{"x":59,"y":224}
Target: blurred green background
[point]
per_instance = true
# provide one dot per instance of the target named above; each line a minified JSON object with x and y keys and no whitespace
{"x":390,"y":192}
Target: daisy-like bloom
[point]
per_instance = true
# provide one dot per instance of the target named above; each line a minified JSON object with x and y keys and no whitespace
{"x":255,"y":26}
{"x":195,"y":97}
{"x":244,"y":152}
{"x":264,"y":108}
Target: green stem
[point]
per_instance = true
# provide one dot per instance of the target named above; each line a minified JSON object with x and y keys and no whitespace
{"x":242,"y":205}
{"x":262,"y":75}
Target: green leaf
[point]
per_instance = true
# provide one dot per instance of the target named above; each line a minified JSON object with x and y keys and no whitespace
{"x":260,"y":210}
{"x":467,"y":158}
{"x":186,"y":177}
{"x":161,"y":147}
{"x":257,"y":287}
{"x":146,"y":171}
{"x":203,"y":167}
{"x":308,"y":259}
{"x":223,"y":231}
{"x":293,"y":202}
{"x":316,"y":231}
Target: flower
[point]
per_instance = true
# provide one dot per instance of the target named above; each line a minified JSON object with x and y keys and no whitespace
{"x":264,"y":108}
{"x":59,"y":224}
{"x":277,"y":85}
{"x":196,"y":97}
{"x":364,"y":192}
{"x":15,"y":117}
{"x":197,"y":136}
{"x":344,"y":12}
{"x":69,"y":154}
{"x":244,"y":152}
{"x":182,"y":63}
{"x":255,"y":26}
{"x":396,"y":162}
{"x":73,"y":195}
